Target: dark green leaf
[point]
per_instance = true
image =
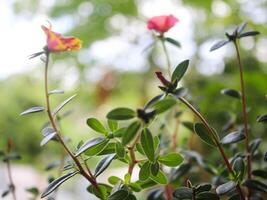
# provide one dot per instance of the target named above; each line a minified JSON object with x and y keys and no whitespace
{"x":207,"y":196}
{"x":179,"y":71}
{"x":102,"y":191}
{"x":218,"y":45}
{"x":188,"y":125}
{"x":96,"y":125}
{"x":140,"y":149}
{"x":241,"y":27}
{"x":183,"y":193}
{"x":254,"y":145}
{"x":110,"y":148}
{"x":153,"y":101}
{"x":260,"y":173}
{"x":56,"y":183}
{"x":121,"y":114}
{"x":180,"y":92}
{"x":160,"y":178}
{"x":103,"y":164}
{"x":120,"y":151}
{"x":154,"y":168}
{"x":233,"y":137}
{"x":174,"y":42}
{"x":231,"y":93}
{"x":119,"y":195}
{"x":163,"y":105}
{"x":171,"y":159}
{"x":256,"y":185}
{"x":249,"y":33}
{"x":33,"y":110}
{"x":147,"y":143}
{"x":33,"y":190}
{"x":93,"y":146}
{"x":120,"y":132}
{"x":56,"y":92}
{"x":144,"y":172}
{"x":225,"y":188}
{"x":47,"y":138}
{"x":202,"y":132}
{"x":5,"y":193}
{"x":130,"y":132}
{"x":239,"y":167}
{"x":60,"y":106}
{"x":113,"y":125}
{"x":203,"y":187}
{"x":262,"y":118}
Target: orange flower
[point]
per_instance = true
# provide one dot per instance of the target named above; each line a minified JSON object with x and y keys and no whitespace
{"x":58,"y":43}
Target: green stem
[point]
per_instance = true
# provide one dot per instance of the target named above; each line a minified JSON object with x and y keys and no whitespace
{"x":244,"y":105}
{"x":92,"y":180}
{"x":167,"y":55}
{"x":11,"y":182}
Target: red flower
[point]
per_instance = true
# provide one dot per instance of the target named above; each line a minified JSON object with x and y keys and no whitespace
{"x":162,"y":23}
{"x":58,"y":43}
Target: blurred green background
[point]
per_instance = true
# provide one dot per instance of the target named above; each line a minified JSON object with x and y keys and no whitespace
{"x":112,"y":69}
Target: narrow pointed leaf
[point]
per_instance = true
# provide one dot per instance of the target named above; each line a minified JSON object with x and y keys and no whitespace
{"x":130,"y":132}
{"x":241,"y":28}
{"x":96,"y":144}
{"x":96,"y":125}
{"x":256,"y":185}
{"x":103,"y":164}
{"x":219,"y":45}
{"x":56,"y":183}
{"x":163,"y":105}
{"x":262,"y":119}
{"x":207,"y":196}
{"x":48,"y":138}
{"x":225,"y":188}
{"x":231,"y":93}
{"x":153,"y":101}
{"x":121,"y":114}
{"x":147,"y":144}
{"x":202,"y":132}
{"x":60,"y":106}
{"x":179,"y":71}
{"x":233,"y":137}
{"x":180,"y":92}
{"x":56,"y":92}
{"x":249,"y":33}
{"x":33,"y":110}
{"x":171,"y":159}
{"x":173,"y":42}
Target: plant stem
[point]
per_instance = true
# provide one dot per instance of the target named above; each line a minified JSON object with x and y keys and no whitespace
{"x":11,"y":182}
{"x":133,"y":160}
{"x":215,"y":139}
{"x":244,"y":105}
{"x":91,"y":179}
{"x":167,"y":55}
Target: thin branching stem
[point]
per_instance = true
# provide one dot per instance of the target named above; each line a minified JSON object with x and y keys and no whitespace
{"x":11,"y":182}
{"x":91,"y":179}
{"x":167,"y":55}
{"x":133,"y":159}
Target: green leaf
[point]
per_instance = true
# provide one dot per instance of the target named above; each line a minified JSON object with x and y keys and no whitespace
{"x":203,"y":187}
{"x":130,"y":132}
{"x":207,"y":196}
{"x":154,"y":168}
{"x":202,"y":132}
{"x":33,"y":110}
{"x":241,"y":27}
{"x":47,"y":138}
{"x":56,"y":92}
{"x":171,"y":159}
{"x":110,"y":148}
{"x":144,"y":172}
{"x":256,"y":185}
{"x":188,"y":125}
{"x":180,"y":92}
{"x":218,"y":45}
{"x":183,"y":193}
{"x":96,"y":125}
{"x":174,"y":42}
{"x":121,"y":114}
{"x":231,"y":93}
{"x":113,"y":125}
{"x":120,"y":151}
{"x":113,"y":180}
{"x":233,"y":137}
{"x":179,"y":71}
{"x":260,"y":173}
{"x":163,"y":105}
{"x":33,"y":190}
{"x":254,"y":145}
{"x":102,"y":191}
{"x":140,"y":149}
{"x":56,"y":183}
{"x":153,"y":101}
{"x":262,"y":118}
{"x":60,"y":106}
{"x":103,"y":164}
{"x":120,"y":132}
{"x":160,"y":178}
{"x":249,"y":33}
{"x":147,"y":144}
{"x":225,"y":188}
{"x":156,"y":143}
{"x":119,"y":195}
{"x":92,"y":147}
{"x":239,"y":167}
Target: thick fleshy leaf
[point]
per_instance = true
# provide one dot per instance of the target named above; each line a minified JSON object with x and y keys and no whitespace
{"x":260,"y":173}
{"x":160,"y":178}
{"x":163,"y":105}
{"x":262,"y":118}
{"x":153,"y":101}
{"x":239,"y":167}
{"x":33,"y":110}
{"x":119,"y":195}
{"x":249,"y":33}
{"x":218,"y":45}
{"x":113,"y":125}
{"x":179,"y":71}
{"x":254,"y":145}
{"x":231,"y":93}
{"x":102,"y":191}
{"x":47,"y":138}
{"x":203,"y":187}
{"x":144,"y":172}
{"x":256,"y":185}
{"x":207,"y":196}
{"x":94,"y":146}
{"x":121,"y":114}
{"x":120,"y":151}
{"x":180,"y":92}
{"x":202,"y":132}
{"x":225,"y":188}
{"x":103,"y":164}
{"x":147,"y":143}
{"x":60,"y":106}
{"x":96,"y":125}
{"x":130,"y":132}
{"x":183,"y":193}
{"x":154,"y":168}
{"x":171,"y":159}
{"x":56,"y":92}
{"x":233,"y":137}
{"x":174,"y":42}
{"x":56,"y":183}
